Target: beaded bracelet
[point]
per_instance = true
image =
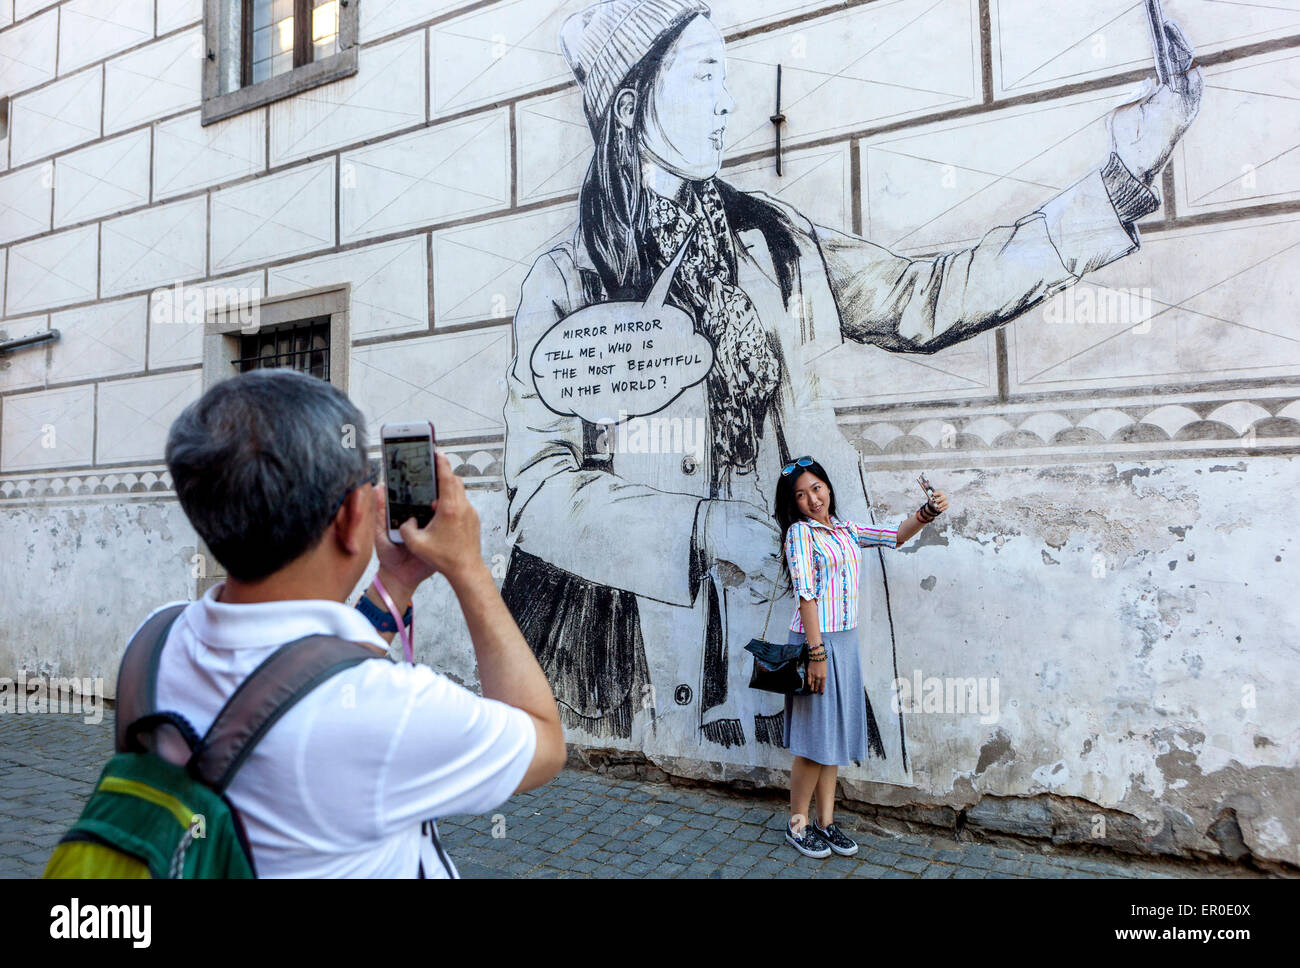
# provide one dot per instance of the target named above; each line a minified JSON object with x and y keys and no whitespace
{"x":926,"y":513}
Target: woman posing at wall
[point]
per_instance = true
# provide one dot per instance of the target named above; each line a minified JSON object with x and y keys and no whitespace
{"x":828,"y":728}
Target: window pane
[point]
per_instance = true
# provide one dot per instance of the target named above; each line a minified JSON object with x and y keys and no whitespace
{"x":261,"y":14}
{"x":273,"y":34}
{"x":324,"y":19}
{"x":283,"y":37}
{"x":261,"y":45}
{"x":324,"y":28}
{"x":320,"y":357}
{"x":325,"y":48}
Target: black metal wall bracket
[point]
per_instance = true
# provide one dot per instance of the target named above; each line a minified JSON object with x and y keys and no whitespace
{"x":778,"y":119}
{"x":17,"y":344}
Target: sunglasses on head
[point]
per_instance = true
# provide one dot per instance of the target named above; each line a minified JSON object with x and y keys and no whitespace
{"x":788,"y":469}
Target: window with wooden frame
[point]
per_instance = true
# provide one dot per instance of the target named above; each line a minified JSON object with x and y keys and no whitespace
{"x":263,"y":50}
{"x":279,"y":35}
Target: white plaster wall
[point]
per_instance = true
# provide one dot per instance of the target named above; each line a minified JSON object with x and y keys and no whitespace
{"x":1125,"y":610}
{"x":101,"y":566}
{"x":434,"y":178}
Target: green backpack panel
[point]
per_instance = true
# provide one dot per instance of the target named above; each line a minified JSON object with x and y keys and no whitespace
{"x":159,"y":809}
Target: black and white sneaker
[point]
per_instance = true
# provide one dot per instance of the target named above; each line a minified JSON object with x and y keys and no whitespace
{"x":835,"y":837}
{"x":809,"y":842}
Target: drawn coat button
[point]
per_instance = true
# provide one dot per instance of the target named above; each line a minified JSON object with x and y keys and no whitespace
{"x":682,"y":694}
{"x":689,"y":464}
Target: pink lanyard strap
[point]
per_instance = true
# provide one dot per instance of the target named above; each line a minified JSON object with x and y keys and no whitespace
{"x":402,"y":629}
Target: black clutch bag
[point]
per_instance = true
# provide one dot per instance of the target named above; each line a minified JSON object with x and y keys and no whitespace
{"x":778,"y":666}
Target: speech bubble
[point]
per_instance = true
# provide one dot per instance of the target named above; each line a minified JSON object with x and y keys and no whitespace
{"x":634,"y":357}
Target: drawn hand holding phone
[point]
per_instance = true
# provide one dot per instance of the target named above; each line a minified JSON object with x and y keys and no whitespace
{"x":1144,"y":133}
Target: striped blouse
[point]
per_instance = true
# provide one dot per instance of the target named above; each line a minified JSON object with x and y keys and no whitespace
{"x":825,"y":565}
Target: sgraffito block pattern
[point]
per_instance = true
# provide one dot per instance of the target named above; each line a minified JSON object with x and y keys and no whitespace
{"x":154,"y":247}
{"x":187,"y":156}
{"x":176,"y":315}
{"x":90,"y":30}
{"x":390,"y":284}
{"x":25,"y":202}
{"x":134,"y":415}
{"x":377,"y":99}
{"x":28,"y":53}
{"x":103,"y":339}
{"x":107,"y":177}
{"x":54,"y":270}
{"x":442,"y":375}
{"x":56,"y":117}
{"x":274,"y":217}
{"x":445,"y":172}
{"x":52,"y":428}
{"x":23,"y":370}
{"x":479,"y":268}
{"x":154,"y":81}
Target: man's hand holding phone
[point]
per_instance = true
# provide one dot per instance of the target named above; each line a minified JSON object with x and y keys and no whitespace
{"x":399,"y":569}
{"x":450,"y":543}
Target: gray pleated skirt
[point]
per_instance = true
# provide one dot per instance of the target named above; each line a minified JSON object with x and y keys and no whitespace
{"x":831,"y":727}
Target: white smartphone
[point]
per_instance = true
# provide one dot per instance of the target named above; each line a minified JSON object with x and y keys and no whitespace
{"x":410,"y":476}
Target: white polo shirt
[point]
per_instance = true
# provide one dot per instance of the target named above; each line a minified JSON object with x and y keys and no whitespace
{"x":340,"y":786}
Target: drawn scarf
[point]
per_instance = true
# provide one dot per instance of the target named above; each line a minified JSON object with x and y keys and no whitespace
{"x":745,"y":370}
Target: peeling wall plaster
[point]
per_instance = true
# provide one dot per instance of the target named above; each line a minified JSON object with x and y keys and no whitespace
{"x":1121,"y":682}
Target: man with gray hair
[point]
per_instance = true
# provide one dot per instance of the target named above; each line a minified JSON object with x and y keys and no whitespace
{"x":271,"y":469}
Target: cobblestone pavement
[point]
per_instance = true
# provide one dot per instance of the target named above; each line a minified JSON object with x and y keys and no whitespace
{"x":581,"y":825}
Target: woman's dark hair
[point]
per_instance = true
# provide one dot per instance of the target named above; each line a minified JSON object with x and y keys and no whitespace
{"x":787,"y":510}
{"x":612,"y":203}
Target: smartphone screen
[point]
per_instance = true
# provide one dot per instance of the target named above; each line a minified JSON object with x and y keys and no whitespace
{"x":409,"y":474}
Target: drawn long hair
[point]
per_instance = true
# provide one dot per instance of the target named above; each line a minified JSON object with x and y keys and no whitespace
{"x":786,"y":509}
{"x":612,"y":204}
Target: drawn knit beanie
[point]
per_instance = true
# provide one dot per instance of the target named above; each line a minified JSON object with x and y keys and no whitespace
{"x":605,"y":41}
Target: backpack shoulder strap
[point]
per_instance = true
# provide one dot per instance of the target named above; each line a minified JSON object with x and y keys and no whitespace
{"x":270,"y":691}
{"x":137,"y":676}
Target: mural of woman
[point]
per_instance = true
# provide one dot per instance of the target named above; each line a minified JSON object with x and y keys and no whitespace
{"x":638,"y":576}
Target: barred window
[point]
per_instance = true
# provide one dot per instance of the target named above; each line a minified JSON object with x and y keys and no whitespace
{"x":307,"y":331}
{"x":303,"y":346}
